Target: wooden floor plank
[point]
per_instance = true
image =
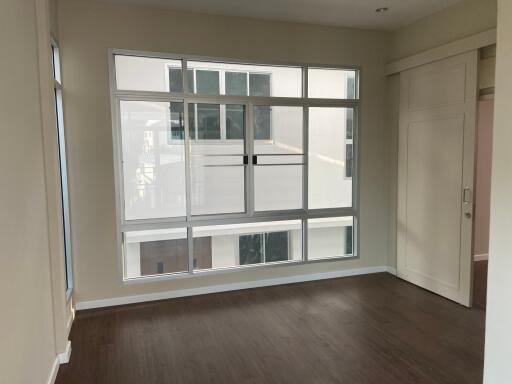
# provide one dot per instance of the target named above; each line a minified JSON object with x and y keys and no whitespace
{"x":364,"y":329}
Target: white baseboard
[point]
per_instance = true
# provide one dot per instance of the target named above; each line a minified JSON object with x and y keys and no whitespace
{"x":226,"y":287}
{"x":391,"y":270}
{"x":481,"y":257}
{"x":53,"y":371}
{"x":61,"y":358}
{"x":70,"y":323}
{"x":64,"y":357}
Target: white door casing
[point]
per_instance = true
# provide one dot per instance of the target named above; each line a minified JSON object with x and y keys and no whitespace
{"x":435,"y":175}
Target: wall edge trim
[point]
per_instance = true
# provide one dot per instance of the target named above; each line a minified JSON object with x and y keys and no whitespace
{"x":53,"y":371}
{"x":453,"y":48}
{"x":481,"y":257}
{"x":64,"y":357}
{"x":101,"y":303}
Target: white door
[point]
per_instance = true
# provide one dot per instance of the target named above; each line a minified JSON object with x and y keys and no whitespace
{"x":435,"y":175}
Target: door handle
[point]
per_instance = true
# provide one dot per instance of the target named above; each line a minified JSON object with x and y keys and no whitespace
{"x":246,"y":159}
{"x":254,"y":160}
{"x":467,"y":195}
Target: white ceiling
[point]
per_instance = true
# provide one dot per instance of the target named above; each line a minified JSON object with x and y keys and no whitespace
{"x":349,"y":13}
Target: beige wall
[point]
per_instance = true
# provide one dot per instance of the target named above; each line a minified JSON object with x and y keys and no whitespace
{"x":461,"y":20}
{"x":53,"y":18}
{"x":88,"y":29}
{"x":27,"y":346}
{"x":392,"y":116}
{"x":498,"y":343}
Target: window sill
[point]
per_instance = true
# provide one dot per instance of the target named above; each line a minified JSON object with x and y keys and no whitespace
{"x":221,"y":271}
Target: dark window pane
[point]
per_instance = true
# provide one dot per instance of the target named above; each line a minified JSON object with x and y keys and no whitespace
{"x":276,"y":246}
{"x":208,"y":122}
{"x":262,"y":122}
{"x":351,"y":85}
{"x":348,"y":241}
{"x":250,"y":247}
{"x":235,"y":122}
{"x":175,"y":80}
{"x":349,"y":160}
{"x":236,"y":83}
{"x":207,"y":82}
{"x":190,"y":80}
{"x":350,"y":124}
{"x":163,"y":256}
{"x":177,"y":129}
{"x":259,"y":84}
{"x":191,"y":121}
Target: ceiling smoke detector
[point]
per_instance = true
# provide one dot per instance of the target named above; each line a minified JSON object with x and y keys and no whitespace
{"x":381,"y":9}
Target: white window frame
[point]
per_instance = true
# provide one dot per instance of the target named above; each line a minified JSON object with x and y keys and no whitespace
{"x":62,"y":155}
{"x":222,"y":113}
{"x":250,"y":215}
{"x":349,"y":142}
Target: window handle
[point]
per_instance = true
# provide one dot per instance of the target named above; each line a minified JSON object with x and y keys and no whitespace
{"x":254,"y":160}
{"x":246,"y":159}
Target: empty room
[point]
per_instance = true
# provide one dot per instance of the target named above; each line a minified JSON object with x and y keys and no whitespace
{"x":273,"y":191}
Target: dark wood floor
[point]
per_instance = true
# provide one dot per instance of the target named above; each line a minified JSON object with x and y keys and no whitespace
{"x":356,"y":330}
{"x":480,"y":284}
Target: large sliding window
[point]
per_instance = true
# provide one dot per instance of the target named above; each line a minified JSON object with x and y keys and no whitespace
{"x":223,"y":165}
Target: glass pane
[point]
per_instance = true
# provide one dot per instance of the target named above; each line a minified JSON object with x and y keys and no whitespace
{"x":236,"y":83}
{"x":327,"y":182}
{"x":330,"y":237}
{"x":217,"y":189}
{"x":145,"y":73}
{"x":155,"y":252}
{"x":277,"y":187}
{"x":251,"y":249}
{"x":56,"y":63}
{"x":176,"y":80}
{"x":208,"y":121}
{"x":350,"y":124}
{"x":217,"y":170}
{"x":192,"y":128}
{"x":262,"y":122}
{"x":207,"y":82}
{"x":177,"y":126}
{"x":280,"y":127}
{"x":245,"y":244}
{"x":259,"y":84}
{"x":331,"y":83}
{"x":66,"y":219}
{"x":235,"y":122}
{"x":276,"y":246}
{"x":153,"y":167}
{"x":351,"y":85}
{"x":264,"y":80}
{"x":348,"y":160}
{"x":191,"y":81}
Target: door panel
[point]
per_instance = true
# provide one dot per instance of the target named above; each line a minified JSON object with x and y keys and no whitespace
{"x":436,"y":151}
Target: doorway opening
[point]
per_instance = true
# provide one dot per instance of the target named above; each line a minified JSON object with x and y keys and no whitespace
{"x":483,"y":160}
